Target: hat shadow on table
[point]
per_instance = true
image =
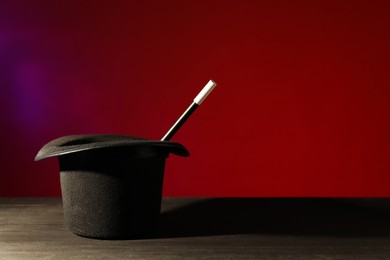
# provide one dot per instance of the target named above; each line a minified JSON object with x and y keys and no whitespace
{"x":279,"y":216}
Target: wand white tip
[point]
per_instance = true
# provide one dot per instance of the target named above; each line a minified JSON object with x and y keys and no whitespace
{"x":205,"y":92}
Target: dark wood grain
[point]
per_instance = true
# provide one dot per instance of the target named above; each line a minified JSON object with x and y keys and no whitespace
{"x":210,"y":229}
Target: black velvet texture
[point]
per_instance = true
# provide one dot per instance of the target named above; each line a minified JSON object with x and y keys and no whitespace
{"x":111,"y":186}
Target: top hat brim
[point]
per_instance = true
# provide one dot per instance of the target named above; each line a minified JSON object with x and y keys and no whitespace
{"x":78,"y":143}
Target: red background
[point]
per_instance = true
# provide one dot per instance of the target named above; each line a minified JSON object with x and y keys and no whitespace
{"x":301,"y":107}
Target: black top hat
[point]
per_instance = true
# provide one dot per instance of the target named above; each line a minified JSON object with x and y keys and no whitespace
{"x":111,"y":184}
{"x":78,"y":143}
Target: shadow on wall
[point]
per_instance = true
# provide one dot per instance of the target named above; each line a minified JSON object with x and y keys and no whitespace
{"x":306,"y":217}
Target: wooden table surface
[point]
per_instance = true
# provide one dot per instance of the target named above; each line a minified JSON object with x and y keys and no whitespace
{"x":210,"y":229}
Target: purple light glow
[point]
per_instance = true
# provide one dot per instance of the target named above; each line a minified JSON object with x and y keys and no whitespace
{"x":43,"y":87}
{"x":31,"y":98}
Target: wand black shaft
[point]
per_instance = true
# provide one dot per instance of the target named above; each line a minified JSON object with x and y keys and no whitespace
{"x":180,"y":121}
